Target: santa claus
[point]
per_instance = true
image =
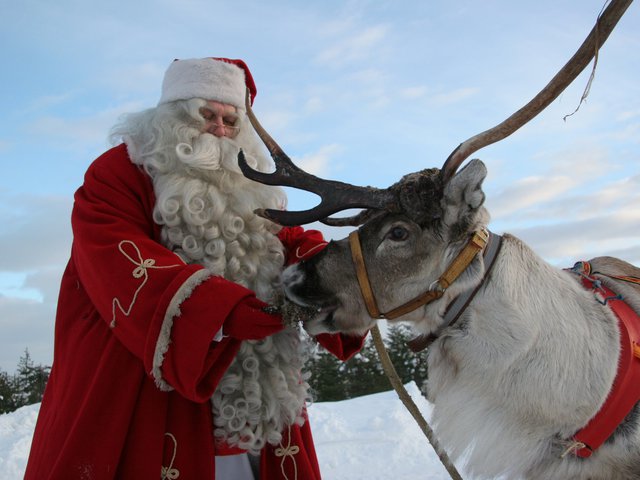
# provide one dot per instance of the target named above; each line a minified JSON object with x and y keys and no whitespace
{"x":166,"y":362}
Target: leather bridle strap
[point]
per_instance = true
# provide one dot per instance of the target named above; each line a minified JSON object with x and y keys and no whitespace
{"x":459,"y":305}
{"x":459,"y":264}
{"x":363,"y":277}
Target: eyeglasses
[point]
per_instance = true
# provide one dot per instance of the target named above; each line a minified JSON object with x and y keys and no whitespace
{"x":214,"y":121}
{"x":229,"y":130}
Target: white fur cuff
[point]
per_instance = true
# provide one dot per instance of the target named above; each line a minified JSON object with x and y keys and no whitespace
{"x":173,"y":311}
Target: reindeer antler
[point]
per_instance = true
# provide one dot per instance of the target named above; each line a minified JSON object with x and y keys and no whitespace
{"x":336,"y":196}
{"x":605,"y":24}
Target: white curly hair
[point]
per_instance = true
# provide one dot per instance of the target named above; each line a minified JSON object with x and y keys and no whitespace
{"x":205,"y":206}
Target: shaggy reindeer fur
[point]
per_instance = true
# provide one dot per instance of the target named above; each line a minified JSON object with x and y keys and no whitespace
{"x":530,"y":361}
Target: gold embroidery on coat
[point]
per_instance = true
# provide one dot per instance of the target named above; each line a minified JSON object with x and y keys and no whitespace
{"x":142,"y":265}
{"x":170,"y":473}
{"x":288,"y":451}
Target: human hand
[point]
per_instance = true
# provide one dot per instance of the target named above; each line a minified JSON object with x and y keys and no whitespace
{"x":252,"y":319}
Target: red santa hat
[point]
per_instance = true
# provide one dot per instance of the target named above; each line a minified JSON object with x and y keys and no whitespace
{"x":221,"y":79}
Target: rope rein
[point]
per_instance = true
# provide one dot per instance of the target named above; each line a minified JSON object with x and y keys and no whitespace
{"x":396,"y":383}
{"x":464,"y":258}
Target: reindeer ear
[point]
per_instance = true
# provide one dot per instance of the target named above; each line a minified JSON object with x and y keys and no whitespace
{"x":463,"y":195}
{"x":466,"y":186}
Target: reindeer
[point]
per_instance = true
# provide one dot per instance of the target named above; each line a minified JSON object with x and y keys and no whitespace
{"x":522,"y":356}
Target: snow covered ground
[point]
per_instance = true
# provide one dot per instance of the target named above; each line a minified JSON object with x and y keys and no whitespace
{"x":15,"y":440}
{"x":374,"y":438}
{"x":371,"y":437}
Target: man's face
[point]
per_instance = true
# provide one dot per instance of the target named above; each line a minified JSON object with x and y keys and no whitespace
{"x":221,"y":119}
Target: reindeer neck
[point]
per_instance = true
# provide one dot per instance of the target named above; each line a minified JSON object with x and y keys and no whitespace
{"x":534,"y":352}
{"x":531,"y":313}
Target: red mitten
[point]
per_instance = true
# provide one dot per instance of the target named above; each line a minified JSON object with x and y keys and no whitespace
{"x":249,"y":321}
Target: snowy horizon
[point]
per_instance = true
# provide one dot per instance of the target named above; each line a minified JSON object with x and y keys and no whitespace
{"x":372,"y":437}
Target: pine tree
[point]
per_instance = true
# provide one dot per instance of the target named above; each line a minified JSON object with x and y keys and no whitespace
{"x":30,"y":381}
{"x":364,"y":374}
{"x":332,"y":380}
{"x":7,"y":400}
{"x":409,"y":365}
{"x":326,"y":380}
{"x":403,"y":359}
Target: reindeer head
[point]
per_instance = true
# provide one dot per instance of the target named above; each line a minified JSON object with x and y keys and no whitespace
{"x":410,"y":231}
{"x":405,"y":254}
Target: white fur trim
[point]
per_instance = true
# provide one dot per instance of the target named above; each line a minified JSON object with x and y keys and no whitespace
{"x":204,"y":78}
{"x":173,"y":311}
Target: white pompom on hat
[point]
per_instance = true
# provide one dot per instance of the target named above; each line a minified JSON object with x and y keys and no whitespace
{"x":221,"y":79}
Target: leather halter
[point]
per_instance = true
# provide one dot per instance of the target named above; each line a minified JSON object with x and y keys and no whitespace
{"x":460,"y":303}
{"x":437,"y":289}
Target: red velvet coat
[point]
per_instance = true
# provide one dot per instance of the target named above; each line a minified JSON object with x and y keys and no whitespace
{"x":103,"y":415}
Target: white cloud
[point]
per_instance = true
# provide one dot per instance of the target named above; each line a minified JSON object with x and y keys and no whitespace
{"x":563,"y":227}
{"x":313,"y":105}
{"x":135,"y":79}
{"x":630,"y":133}
{"x":79,"y":132}
{"x":575,"y":182}
{"x":414,"y":92}
{"x":277,"y":120}
{"x":369,"y":77}
{"x":317,"y":163}
{"x":528,"y":192}
{"x":25,"y":324}
{"x":454,"y":96}
{"x":48,"y":101}
{"x":46,"y":282}
{"x":356,"y":47}
{"x":36,"y":242}
{"x":338,"y":25}
{"x":13,"y":284}
{"x":36,"y":232}
{"x":583,"y":239}
{"x":371,"y":85}
{"x":628,"y":115}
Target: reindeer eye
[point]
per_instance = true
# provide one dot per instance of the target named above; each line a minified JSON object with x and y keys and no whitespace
{"x":398,"y":234}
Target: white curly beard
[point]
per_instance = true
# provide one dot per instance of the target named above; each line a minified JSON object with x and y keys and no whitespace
{"x":205,"y":206}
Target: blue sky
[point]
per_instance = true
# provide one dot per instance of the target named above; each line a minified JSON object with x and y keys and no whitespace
{"x":360,"y":91}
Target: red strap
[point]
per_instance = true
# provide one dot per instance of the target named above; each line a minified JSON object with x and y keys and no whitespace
{"x":626,"y":386}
